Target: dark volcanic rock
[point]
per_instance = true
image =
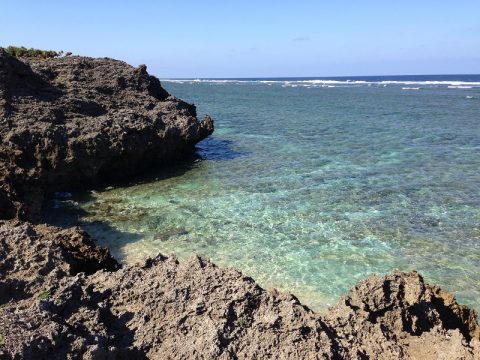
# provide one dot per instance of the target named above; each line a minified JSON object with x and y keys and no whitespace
{"x":75,"y":121}
{"x":398,"y":316}
{"x":191,"y":310}
{"x":33,"y":258}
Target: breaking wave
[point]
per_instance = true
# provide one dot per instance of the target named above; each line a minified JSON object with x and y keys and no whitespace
{"x":331,"y":83}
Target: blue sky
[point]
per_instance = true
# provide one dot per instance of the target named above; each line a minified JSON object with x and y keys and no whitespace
{"x":257,"y":38}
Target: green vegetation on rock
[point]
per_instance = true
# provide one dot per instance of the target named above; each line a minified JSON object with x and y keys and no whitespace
{"x":23,"y":52}
{"x":44,"y":295}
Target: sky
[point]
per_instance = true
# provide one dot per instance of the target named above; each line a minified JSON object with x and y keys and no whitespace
{"x":210,"y":38}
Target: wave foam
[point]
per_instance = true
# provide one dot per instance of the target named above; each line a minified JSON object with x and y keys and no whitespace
{"x":451,"y":84}
{"x":459,"y":87}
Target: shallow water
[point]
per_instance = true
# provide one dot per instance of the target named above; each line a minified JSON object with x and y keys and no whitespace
{"x":309,"y":188}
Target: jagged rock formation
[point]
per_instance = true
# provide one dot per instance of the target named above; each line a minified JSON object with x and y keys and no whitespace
{"x":73,"y":121}
{"x":166,"y":310}
{"x":33,"y":258}
{"x":398,"y":316}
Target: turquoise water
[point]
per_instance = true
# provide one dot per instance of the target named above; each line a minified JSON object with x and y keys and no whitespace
{"x":310,"y":186}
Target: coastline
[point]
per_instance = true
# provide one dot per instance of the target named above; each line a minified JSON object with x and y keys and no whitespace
{"x":84,"y":303}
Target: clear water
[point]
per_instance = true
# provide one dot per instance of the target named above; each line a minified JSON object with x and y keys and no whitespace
{"x":309,"y":186}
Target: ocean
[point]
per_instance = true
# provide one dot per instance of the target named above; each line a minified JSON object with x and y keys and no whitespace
{"x":309,"y":185}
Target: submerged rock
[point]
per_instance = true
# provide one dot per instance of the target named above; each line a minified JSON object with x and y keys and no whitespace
{"x":164,"y":309}
{"x":167,"y":234}
{"x":75,"y":121}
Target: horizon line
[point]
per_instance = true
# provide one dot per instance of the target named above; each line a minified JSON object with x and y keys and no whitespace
{"x":309,"y":77}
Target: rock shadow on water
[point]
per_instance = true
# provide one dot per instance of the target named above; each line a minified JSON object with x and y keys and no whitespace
{"x":110,"y":237}
{"x":68,"y":214}
{"x":177,"y":169}
{"x":210,"y":149}
{"x":62,"y":209}
{"x":215,"y":149}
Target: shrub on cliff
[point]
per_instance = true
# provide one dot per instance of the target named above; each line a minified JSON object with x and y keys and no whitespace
{"x":23,"y":52}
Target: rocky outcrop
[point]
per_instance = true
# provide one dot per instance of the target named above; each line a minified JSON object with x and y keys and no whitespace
{"x":164,"y":309}
{"x":75,"y":121}
{"x":398,"y":316}
{"x":35,"y":257}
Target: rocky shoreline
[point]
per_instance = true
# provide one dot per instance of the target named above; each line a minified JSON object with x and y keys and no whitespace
{"x":72,"y":122}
